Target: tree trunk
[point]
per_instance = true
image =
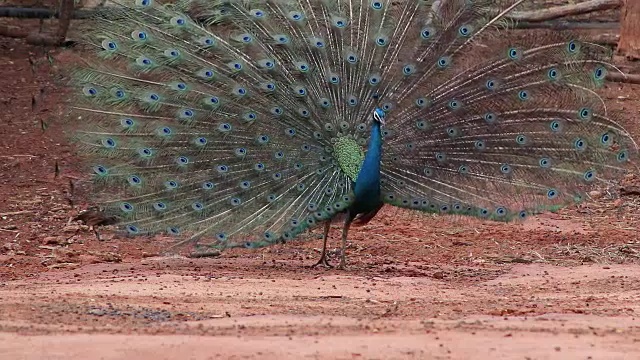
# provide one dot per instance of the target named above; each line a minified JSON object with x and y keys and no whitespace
{"x":556,"y":12}
{"x":629,"y":44}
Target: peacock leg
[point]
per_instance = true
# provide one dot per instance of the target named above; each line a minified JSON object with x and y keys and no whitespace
{"x":95,"y":231}
{"x":345,"y":230}
{"x":323,"y":258}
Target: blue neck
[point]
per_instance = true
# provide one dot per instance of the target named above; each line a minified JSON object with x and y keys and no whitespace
{"x":368,"y":183}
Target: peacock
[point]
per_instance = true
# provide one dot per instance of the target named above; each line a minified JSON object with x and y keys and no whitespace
{"x":242,"y":123}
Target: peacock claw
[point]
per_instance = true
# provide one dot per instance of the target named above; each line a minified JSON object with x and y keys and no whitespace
{"x":324,"y":262}
{"x":343,"y":261}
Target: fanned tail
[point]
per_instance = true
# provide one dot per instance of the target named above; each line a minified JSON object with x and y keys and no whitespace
{"x":253,"y":133}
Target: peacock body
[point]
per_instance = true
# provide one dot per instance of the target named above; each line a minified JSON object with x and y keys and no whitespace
{"x":249,"y":126}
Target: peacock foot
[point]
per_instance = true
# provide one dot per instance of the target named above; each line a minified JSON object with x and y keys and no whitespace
{"x":324,"y":262}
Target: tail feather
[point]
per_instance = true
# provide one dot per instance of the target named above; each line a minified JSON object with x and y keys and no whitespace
{"x":518,"y":133}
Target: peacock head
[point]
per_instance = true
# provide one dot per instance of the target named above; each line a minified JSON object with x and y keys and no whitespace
{"x":378,"y":116}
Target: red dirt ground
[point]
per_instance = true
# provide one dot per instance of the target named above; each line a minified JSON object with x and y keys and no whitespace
{"x":560,"y":286}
